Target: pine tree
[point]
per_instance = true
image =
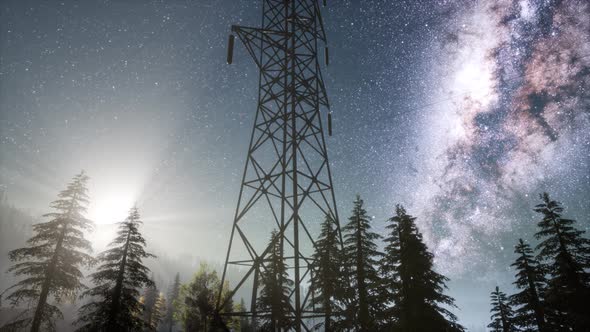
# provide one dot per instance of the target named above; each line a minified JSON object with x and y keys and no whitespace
{"x":566,"y":255}
{"x":273,"y":303}
{"x":115,"y":305}
{"x":245,"y":325}
{"x":52,"y":261}
{"x":149,"y":300}
{"x":172,"y":296}
{"x":326,"y":274}
{"x":157,"y":313}
{"x":361,"y":277}
{"x":412,"y":290}
{"x":502,"y":314}
{"x":530,"y":279}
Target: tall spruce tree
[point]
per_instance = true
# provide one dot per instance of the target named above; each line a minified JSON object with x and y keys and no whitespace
{"x":412,"y":290}
{"x":530,"y":279}
{"x":273,"y":303}
{"x":52,"y":260}
{"x":326,"y":274}
{"x":502,"y":313}
{"x":115,"y":304}
{"x":173,"y":294}
{"x":361,"y":277}
{"x":566,"y":256}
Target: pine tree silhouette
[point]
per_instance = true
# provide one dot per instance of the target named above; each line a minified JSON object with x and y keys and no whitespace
{"x":360,"y":259}
{"x":502,"y":314}
{"x":410,"y":283}
{"x":530,"y":279}
{"x":115,"y":305}
{"x":326,"y":274}
{"x":273,"y":302}
{"x":52,"y":261}
{"x":566,"y":256}
{"x":172,"y":296}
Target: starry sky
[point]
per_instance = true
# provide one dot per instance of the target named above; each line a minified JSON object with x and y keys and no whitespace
{"x":462,"y":111}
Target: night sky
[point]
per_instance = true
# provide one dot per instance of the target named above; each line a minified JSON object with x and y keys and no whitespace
{"x":462,"y":111}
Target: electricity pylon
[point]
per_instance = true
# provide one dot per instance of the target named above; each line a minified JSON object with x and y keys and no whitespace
{"x":286,"y":184}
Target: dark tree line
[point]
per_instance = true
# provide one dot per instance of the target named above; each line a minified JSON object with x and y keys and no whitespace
{"x":553,"y":284}
{"x":361,"y":288}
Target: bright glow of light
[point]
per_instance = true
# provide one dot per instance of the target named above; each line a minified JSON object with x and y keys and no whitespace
{"x":476,"y":80}
{"x":111,"y":207}
{"x":527,"y":11}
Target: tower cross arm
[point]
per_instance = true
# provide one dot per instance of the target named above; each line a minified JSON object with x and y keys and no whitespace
{"x":257,"y":40}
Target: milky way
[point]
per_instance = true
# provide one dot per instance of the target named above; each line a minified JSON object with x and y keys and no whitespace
{"x":511,"y":117}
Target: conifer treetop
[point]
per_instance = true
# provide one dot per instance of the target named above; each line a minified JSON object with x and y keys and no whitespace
{"x":502,"y":313}
{"x":558,"y":233}
{"x":530,"y":279}
{"x":565,"y":255}
{"x":118,"y":279}
{"x":412,"y":289}
{"x":50,"y":263}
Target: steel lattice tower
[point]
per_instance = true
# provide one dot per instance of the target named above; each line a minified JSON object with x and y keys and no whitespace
{"x":286,"y":184}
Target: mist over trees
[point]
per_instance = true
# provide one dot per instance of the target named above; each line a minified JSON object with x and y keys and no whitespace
{"x":50,"y":263}
{"x":116,"y":305}
{"x":173,"y":294}
{"x":15,"y":229}
{"x":154,"y":307}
